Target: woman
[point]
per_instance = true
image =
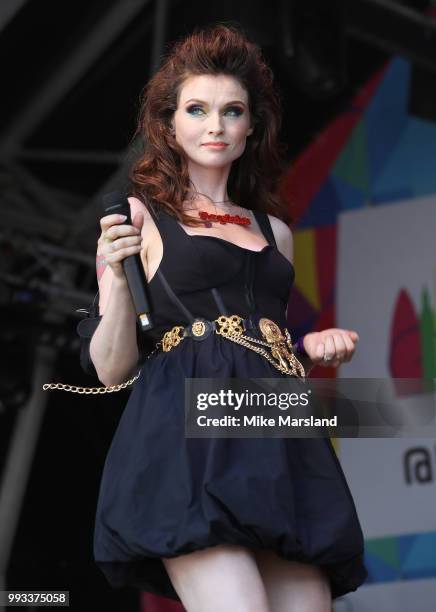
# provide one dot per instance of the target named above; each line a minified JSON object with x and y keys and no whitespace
{"x":255,"y":524}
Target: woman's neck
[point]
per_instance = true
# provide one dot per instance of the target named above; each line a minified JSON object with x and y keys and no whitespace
{"x":208,"y":185}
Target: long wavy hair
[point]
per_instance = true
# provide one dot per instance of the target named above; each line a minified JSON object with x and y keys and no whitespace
{"x":160,"y":175}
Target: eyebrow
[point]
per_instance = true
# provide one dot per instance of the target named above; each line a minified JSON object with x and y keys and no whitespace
{"x":226,"y":104}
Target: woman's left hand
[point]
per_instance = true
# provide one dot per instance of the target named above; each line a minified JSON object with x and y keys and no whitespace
{"x":331,"y":347}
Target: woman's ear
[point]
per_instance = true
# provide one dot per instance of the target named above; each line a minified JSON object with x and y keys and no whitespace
{"x":250,"y":131}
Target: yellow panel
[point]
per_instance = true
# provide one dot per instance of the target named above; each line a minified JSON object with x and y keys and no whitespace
{"x":305,"y":266}
{"x":335,"y":444}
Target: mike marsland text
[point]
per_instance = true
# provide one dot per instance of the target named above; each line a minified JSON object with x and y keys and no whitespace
{"x":261,"y":421}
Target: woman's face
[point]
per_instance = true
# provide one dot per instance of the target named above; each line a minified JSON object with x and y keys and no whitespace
{"x":212,"y":108}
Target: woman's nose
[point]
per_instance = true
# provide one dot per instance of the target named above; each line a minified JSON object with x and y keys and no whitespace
{"x":215,"y":124}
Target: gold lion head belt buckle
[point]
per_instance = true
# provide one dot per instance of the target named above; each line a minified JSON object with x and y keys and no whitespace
{"x":275,"y":346}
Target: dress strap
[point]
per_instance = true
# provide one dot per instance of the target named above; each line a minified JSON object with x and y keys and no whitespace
{"x":265,"y":225}
{"x":250,"y":264}
{"x":156,"y":214}
{"x":168,"y":225}
{"x":164,"y":228}
{"x":219,"y":301}
{"x":173,"y":297}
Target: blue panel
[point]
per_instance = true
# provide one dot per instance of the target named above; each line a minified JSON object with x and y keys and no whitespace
{"x":323,"y":209}
{"x":391,"y":197}
{"x":386,"y":116}
{"x":417,"y":559}
{"x":405,"y":545}
{"x":349,"y":196}
{"x":410,"y":170}
{"x":421,"y":558}
{"x":378,"y":570}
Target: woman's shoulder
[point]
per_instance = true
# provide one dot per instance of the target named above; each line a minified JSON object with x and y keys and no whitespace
{"x":151,"y":237}
{"x":283,"y":235}
{"x":279,"y":227}
{"x":137,"y":205}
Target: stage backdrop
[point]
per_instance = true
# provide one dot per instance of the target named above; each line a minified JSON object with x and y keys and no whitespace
{"x":364,"y":202}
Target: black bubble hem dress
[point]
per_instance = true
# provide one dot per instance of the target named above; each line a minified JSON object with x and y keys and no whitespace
{"x":164,"y":495}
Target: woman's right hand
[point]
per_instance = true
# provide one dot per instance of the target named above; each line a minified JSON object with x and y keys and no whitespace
{"x":118,"y":240}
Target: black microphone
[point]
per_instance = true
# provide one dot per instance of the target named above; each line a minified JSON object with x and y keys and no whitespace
{"x":116,"y":203}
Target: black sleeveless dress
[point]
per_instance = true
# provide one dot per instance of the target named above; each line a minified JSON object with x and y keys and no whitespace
{"x":164,"y":495}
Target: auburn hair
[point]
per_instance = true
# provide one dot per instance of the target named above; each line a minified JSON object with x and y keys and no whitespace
{"x":160,"y":175}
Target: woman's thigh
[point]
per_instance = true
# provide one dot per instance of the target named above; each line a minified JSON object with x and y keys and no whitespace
{"x":293,"y":586}
{"x":218,"y":579}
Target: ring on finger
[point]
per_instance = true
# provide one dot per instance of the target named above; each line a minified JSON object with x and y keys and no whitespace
{"x":107,"y":238}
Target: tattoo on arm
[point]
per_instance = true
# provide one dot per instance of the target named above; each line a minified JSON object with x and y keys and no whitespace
{"x":100,"y":265}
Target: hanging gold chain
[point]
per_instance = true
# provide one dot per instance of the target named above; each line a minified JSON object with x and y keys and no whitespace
{"x":90,"y":390}
{"x":97,"y":390}
{"x":230,"y":328}
{"x":297,"y":368}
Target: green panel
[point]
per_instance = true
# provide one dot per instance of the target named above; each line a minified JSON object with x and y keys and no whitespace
{"x":352,"y":164}
{"x":384,"y":549}
{"x":427,"y":333}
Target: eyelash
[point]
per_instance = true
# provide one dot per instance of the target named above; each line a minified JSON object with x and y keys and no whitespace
{"x":238,"y":110}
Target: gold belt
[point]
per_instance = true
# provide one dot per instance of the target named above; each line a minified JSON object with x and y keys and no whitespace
{"x":276,"y":347}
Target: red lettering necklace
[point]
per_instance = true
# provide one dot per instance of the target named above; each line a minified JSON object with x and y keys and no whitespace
{"x":208,"y":218}
{"x":223,"y":219}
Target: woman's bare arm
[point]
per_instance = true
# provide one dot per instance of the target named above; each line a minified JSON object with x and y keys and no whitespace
{"x":114,"y":348}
